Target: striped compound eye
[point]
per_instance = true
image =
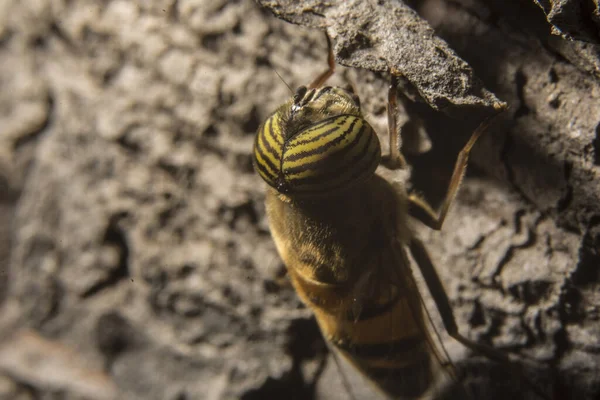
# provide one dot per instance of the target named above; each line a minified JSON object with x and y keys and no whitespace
{"x":316,"y":144}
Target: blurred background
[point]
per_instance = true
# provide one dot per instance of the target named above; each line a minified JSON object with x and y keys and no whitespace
{"x":135,"y":258}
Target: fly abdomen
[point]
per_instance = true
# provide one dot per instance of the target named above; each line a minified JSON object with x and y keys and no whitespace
{"x":401,"y":367}
{"x":402,"y":380}
{"x":383,"y":339}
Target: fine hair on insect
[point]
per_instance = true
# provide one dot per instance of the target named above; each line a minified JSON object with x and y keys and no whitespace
{"x":342,"y":231}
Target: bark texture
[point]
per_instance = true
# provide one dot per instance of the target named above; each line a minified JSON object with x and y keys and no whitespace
{"x":136,"y":261}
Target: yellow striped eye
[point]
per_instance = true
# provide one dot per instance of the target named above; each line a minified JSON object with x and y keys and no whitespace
{"x":316,"y":143}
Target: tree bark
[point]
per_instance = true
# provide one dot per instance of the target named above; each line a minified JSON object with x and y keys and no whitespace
{"x":136,"y":258}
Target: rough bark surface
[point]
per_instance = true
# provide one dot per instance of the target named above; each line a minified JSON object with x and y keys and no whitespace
{"x":391,"y":37}
{"x":136,"y":261}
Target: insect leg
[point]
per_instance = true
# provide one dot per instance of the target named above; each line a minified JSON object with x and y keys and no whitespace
{"x":442,"y":302}
{"x":322,"y":78}
{"x":432,"y":280}
{"x":420,"y":209}
{"x":394,"y":160}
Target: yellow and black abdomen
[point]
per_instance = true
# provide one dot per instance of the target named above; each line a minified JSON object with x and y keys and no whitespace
{"x":382,"y":336}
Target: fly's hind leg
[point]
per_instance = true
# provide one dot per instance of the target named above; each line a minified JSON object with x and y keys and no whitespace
{"x":322,"y":78}
{"x":420,"y":209}
{"x":442,"y":302}
{"x":419,"y":252}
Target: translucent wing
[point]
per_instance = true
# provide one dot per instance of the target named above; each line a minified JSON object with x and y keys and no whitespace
{"x":391,"y":338}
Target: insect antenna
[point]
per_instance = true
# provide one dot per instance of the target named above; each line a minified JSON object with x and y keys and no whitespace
{"x":282,"y":80}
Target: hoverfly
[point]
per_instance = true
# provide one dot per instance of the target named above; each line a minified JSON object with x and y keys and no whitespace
{"x":342,"y":230}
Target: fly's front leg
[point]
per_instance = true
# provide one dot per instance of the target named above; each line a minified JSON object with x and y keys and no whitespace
{"x":420,"y":209}
{"x":394,"y":160}
{"x":322,"y":78}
